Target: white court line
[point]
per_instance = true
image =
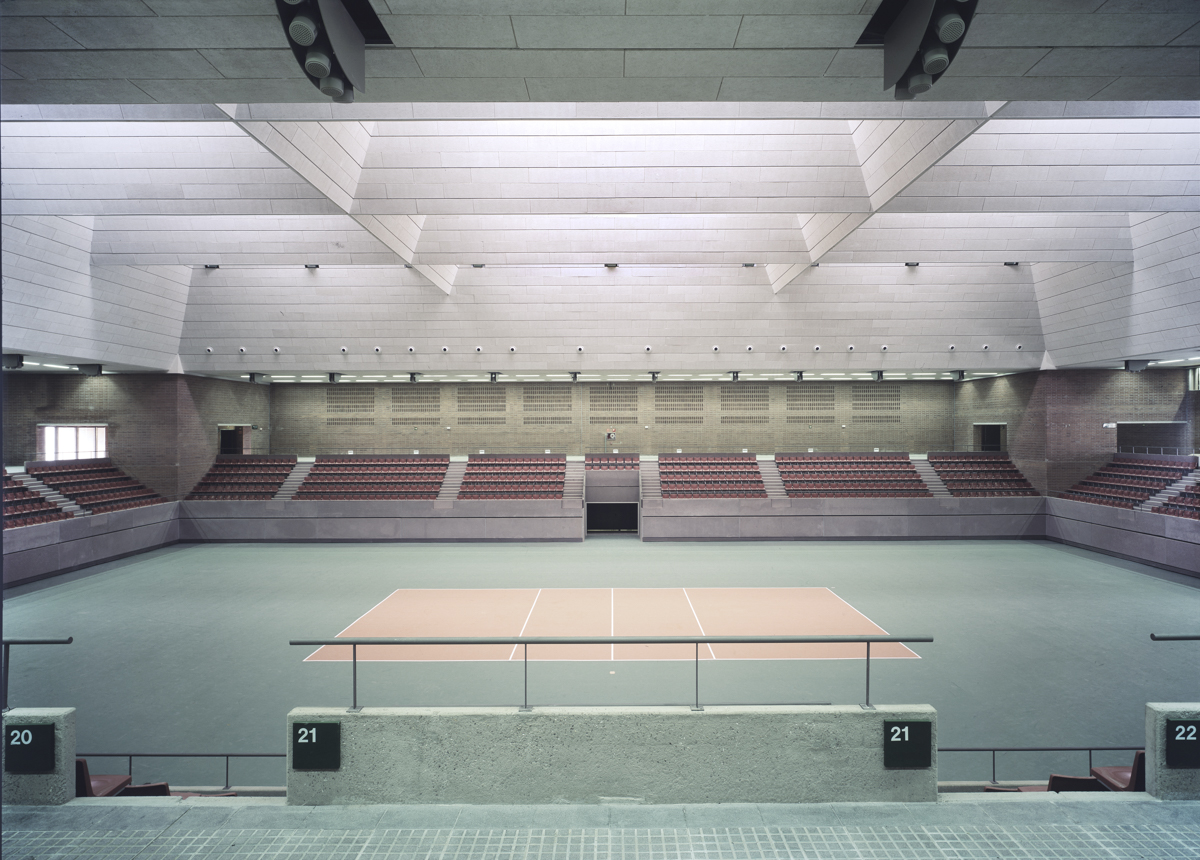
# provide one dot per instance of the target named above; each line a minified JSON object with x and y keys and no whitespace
{"x":864,"y":615}
{"x":612,"y":622}
{"x":352,"y":623}
{"x":697,"y":617}
{"x":526,"y":624}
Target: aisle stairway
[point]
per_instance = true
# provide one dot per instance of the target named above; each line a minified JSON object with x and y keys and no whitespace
{"x":295,"y":478}
{"x":1188,"y":482}
{"x":18,"y":474}
{"x":930,"y":476}
{"x":453,"y":481}
{"x":573,"y":486}
{"x":651,"y":484}
{"x":772,"y":482}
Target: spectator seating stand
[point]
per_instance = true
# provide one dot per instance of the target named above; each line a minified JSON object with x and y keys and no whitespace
{"x":710,"y":476}
{"x":980,"y":474}
{"x":1126,"y":482}
{"x":243,"y":477}
{"x":1186,"y":504}
{"x":96,"y":485}
{"x":611,"y":461}
{"x":363,"y":478}
{"x":24,"y":507}
{"x":850,"y":475}
{"x":505,"y":476}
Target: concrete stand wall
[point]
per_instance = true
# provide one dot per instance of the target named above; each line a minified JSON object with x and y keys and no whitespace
{"x":1158,"y":539}
{"x":1164,"y":782}
{"x":43,"y":789}
{"x":747,"y":754}
{"x":612,"y":486}
{"x":31,"y":552}
{"x":841,"y":519}
{"x":467,"y":520}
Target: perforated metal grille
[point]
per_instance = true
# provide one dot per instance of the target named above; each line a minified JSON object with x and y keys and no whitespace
{"x":417,"y":398}
{"x":481,"y":398}
{"x":546,"y":398}
{"x":350,"y":398}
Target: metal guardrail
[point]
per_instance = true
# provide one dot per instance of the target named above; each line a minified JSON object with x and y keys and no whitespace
{"x":227,"y":756}
{"x":1175,"y":637}
{"x":1155,"y":449}
{"x":20,"y":641}
{"x":607,"y":640}
{"x":994,"y":750}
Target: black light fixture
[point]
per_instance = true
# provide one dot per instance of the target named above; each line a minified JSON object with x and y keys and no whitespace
{"x":960,"y":375}
{"x":574,"y":376}
{"x":312,"y":265}
{"x":799,"y":374}
{"x":1012,"y":264}
{"x":1137,"y":365}
{"x":335,"y":377}
{"x":212,"y":265}
{"x":748,"y":265}
{"x":259,"y":379}
{"x":920,"y":39}
{"x":477,"y":265}
{"x":494,"y":376}
{"x":654,"y":376}
{"x":328,"y":38}
{"x":911,"y":265}
{"x":412,"y":377}
{"x":733,"y":375}
{"x":610,"y":265}
{"x":877,"y":375}
{"x":90,"y":369}
{"x":13,"y":361}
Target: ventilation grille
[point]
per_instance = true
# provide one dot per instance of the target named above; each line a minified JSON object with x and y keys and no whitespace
{"x":482,"y":398}
{"x":613,"y":398}
{"x":874,"y":419}
{"x":613,"y":419}
{"x":335,"y":422}
{"x":810,"y":419}
{"x":678,"y":397}
{"x":546,"y":398}
{"x":350,"y":398}
{"x":479,"y":422}
{"x":745,"y":397}
{"x":678,"y":419}
{"x":875,"y":397}
{"x":546,"y":419}
{"x":416,"y":422}
{"x":745,"y":419}
{"x":812,"y":397}
{"x":414,"y":398}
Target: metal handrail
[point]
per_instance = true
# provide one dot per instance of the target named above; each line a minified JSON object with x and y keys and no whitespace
{"x":994,"y":750}
{"x":1175,"y":637}
{"x":526,"y":641}
{"x":226,"y":756}
{"x":24,"y":641}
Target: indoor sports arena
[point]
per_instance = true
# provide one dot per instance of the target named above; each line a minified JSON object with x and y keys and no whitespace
{"x":623,"y":430}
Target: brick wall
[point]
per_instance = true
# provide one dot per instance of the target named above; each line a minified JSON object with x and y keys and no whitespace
{"x":648,"y":418}
{"x":1055,"y":418}
{"x":161,"y":428}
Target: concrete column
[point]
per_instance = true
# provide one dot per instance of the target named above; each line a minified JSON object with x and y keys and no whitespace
{"x":1171,"y":783}
{"x":55,"y":786}
{"x":726,"y":754}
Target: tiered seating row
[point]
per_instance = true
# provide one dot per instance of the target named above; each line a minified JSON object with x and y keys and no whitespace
{"x":243,"y":478}
{"x":710,"y":476}
{"x":611,"y":461}
{"x":970,"y":473}
{"x":24,"y":507}
{"x":499,"y":476}
{"x":1126,"y":482}
{"x":374,"y":478}
{"x":97,"y":485}
{"x":870,"y":475}
{"x":1186,"y":504}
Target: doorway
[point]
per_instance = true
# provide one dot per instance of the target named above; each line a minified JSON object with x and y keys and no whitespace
{"x":233,"y":439}
{"x":991,"y":437}
{"x":612,"y":519}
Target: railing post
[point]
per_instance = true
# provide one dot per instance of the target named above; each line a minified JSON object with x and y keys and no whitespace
{"x":226,"y":773}
{"x":130,"y":768}
{"x":867,"y":706}
{"x":994,"y":768}
{"x":354,"y":678}
{"x":525,"y":661}
{"x":697,"y":707}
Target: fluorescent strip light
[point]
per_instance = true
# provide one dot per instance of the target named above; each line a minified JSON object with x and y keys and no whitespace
{"x":32,"y":364}
{"x":57,"y":366}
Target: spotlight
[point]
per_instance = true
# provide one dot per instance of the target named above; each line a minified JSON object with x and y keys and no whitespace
{"x":883,"y":348}
{"x":512,"y":349}
{"x":952,"y":347}
{"x":733,"y":375}
{"x":799,"y":374}
{"x":748,"y":265}
{"x":1012,"y":264}
{"x":275,"y":350}
{"x":877,"y":375}
{"x":412,"y":349}
{"x":1019,"y":346}
{"x":445,"y":349}
{"x":610,"y":265}
{"x":960,"y":375}
{"x":911,"y":265}
{"x":242,"y":349}
{"x":716,"y":349}
{"x":90,"y":369}
{"x":312,"y":265}
{"x":934,"y":60}
{"x":985,"y":347}
{"x":816,"y":349}
{"x":379,"y":349}
{"x":335,"y":377}
{"x":579,"y":349}
{"x":918,"y":83}
{"x":1136,"y":365}
{"x":344,"y":350}
{"x":208,"y":349}
{"x":212,"y":265}
{"x":783,"y":348}
{"x":412,"y":377}
{"x":494,"y":376}
{"x":850,"y":348}
{"x":949,"y":27}
{"x":317,"y":63}
{"x":333,"y":86}
{"x":477,"y":265}
{"x":479,"y":349}
{"x":749,"y":349}
{"x":574,"y":376}
{"x":647,"y":349}
{"x":259,"y":379}
{"x":303,"y":30}
{"x":654,"y":376}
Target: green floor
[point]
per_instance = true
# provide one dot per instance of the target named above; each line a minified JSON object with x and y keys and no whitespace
{"x":184,"y":650}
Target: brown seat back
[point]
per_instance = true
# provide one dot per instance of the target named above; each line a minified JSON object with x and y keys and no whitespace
{"x":1058,"y":782}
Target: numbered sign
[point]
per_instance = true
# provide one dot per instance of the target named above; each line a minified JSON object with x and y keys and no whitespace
{"x":29,"y":749}
{"x":908,"y":744}
{"x":1183,"y":743}
{"x":316,"y":746}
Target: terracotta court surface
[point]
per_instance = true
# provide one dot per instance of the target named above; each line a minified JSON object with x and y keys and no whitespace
{"x":510,"y":612}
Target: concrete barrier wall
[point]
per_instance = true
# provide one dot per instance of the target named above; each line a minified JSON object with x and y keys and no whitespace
{"x":31,"y":552}
{"x":474,"y":520}
{"x":612,"y":486}
{"x":1157,"y":539}
{"x":1170,"y":783}
{"x":747,"y":754}
{"x":56,"y":786}
{"x":842,"y":519}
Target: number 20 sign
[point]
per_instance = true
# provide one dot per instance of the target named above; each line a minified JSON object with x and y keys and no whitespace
{"x":29,"y":748}
{"x":1183,"y":743}
{"x":316,"y":746}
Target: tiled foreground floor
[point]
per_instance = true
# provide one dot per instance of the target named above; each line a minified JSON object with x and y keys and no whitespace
{"x":958,"y":827}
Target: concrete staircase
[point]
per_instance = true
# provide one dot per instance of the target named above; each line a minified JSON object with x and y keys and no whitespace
{"x":294,"y":479}
{"x":1187,"y":482}
{"x":573,"y":486}
{"x":18,"y":474}
{"x":651,"y":484}
{"x":930,"y":476}
{"x":772,"y":480}
{"x":453,"y":481}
